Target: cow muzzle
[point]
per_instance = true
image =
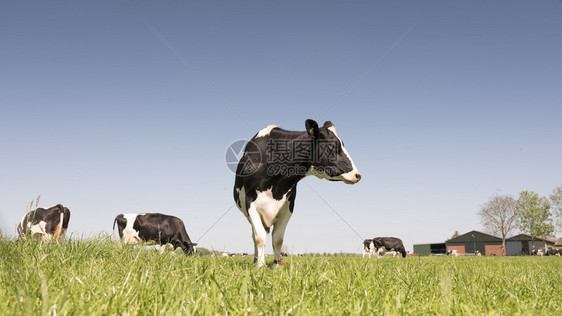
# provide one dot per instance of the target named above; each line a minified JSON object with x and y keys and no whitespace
{"x":352,"y":177}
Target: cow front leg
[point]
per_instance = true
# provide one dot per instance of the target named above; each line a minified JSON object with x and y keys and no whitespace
{"x":260,"y":235}
{"x":279,"y":232}
{"x":176,"y":243}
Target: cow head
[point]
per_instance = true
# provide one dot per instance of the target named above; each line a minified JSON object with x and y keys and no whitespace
{"x":191,"y":248}
{"x":331,"y":160}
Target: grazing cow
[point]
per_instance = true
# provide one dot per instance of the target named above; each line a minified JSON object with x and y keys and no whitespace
{"x":274,"y":161}
{"x":383,"y":244}
{"x":45,"y":224}
{"x":368,"y":247}
{"x":154,"y":228}
{"x":477,"y":253}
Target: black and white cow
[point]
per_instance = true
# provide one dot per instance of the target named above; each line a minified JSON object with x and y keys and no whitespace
{"x":165,"y":230}
{"x":45,"y":224}
{"x":383,"y":244}
{"x":452,"y":252}
{"x":274,"y":161}
{"x":538,"y":252}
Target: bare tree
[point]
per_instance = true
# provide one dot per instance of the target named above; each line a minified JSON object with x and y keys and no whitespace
{"x":498,"y":216}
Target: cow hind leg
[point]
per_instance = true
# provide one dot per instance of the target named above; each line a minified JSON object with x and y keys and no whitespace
{"x":255,"y":246}
{"x":279,"y":232}
{"x":260,"y":235}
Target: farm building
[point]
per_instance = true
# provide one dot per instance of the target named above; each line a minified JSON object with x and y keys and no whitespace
{"x":474,"y":240}
{"x":521,"y":244}
{"x":430,"y":249}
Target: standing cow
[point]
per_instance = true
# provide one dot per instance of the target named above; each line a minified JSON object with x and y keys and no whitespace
{"x":274,"y":161}
{"x":45,"y":224}
{"x":165,"y":230}
{"x":382,"y":244}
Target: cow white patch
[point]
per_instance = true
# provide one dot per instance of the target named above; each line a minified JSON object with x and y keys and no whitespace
{"x":130,"y":235}
{"x":165,"y":247}
{"x":265,"y":131}
{"x":268,"y":207}
{"x":38,"y":231}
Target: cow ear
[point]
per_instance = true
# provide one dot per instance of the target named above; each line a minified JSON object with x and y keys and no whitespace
{"x":193,"y":244}
{"x":327,"y":124}
{"x":312,"y":128}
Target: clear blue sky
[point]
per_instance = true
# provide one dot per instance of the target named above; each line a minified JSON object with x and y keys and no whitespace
{"x":128,"y":107}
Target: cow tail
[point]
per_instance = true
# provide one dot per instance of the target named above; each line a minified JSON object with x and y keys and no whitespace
{"x":114,"y":221}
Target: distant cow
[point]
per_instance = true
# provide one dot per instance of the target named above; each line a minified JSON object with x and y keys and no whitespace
{"x":273,"y":163}
{"x":45,"y":224}
{"x":452,"y":252}
{"x":552,"y":252}
{"x":540,"y":252}
{"x":154,"y":228}
{"x":368,"y":247}
{"x":383,"y":244}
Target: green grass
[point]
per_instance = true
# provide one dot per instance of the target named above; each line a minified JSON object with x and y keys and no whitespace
{"x":99,"y":277}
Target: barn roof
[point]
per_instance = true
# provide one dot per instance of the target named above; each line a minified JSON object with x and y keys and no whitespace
{"x":474,"y":236}
{"x":525,"y":237}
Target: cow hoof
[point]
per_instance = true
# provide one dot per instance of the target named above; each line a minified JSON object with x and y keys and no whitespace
{"x":278,"y":264}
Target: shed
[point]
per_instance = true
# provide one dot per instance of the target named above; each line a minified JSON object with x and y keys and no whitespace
{"x":474,"y":240}
{"x":521,"y":244}
{"x":430,"y":249}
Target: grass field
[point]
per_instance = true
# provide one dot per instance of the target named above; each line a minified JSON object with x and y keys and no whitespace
{"x":98,"y":277}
